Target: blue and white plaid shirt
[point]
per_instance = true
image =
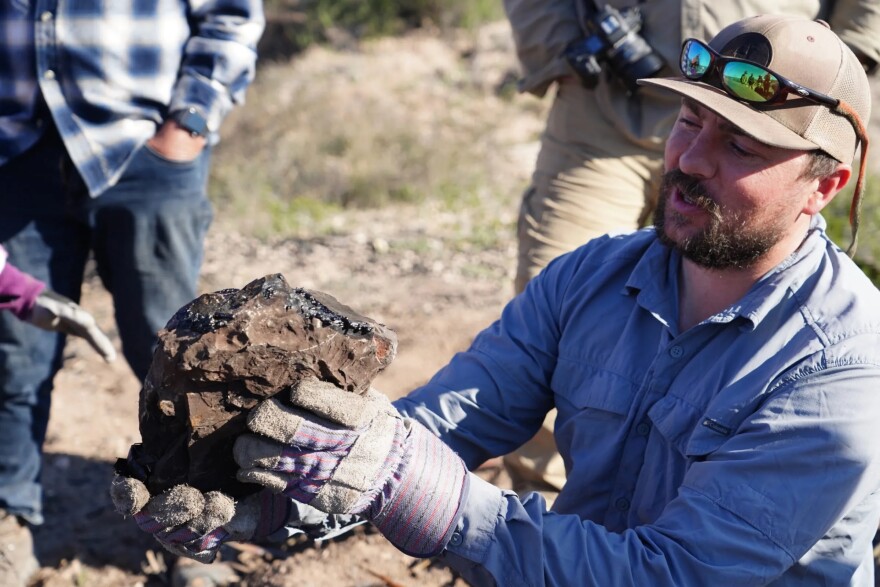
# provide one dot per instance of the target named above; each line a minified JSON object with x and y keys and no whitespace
{"x":111,"y":70}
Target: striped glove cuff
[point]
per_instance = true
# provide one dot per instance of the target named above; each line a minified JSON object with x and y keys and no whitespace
{"x":419,"y":507}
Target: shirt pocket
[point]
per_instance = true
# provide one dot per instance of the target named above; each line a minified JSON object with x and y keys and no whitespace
{"x":687,"y":428}
{"x":580,"y":388}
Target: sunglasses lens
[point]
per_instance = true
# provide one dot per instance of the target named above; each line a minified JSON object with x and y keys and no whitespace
{"x":695,"y":60}
{"x":751,"y":83}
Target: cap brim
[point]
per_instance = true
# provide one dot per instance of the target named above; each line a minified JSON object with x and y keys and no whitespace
{"x":754,"y":123}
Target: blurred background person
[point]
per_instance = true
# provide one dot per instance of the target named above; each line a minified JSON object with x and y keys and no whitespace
{"x":109,"y":111}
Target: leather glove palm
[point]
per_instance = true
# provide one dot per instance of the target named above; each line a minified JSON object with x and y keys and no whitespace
{"x":52,"y":311}
{"x":348,"y":454}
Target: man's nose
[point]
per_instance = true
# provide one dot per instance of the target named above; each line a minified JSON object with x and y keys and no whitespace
{"x":699,"y":157}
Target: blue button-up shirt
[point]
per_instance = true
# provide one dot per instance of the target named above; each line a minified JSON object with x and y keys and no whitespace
{"x":743,"y":451}
{"x":111,"y":71}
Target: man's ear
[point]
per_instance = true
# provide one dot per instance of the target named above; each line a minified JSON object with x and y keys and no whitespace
{"x":826,"y":188}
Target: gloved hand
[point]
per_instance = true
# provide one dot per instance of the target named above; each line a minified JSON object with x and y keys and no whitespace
{"x":53,"y":311}
{"x":348,"y":454}
{"x":193,"y":524}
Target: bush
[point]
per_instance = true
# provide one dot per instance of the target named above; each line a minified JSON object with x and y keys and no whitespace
{"x":294,"y":25}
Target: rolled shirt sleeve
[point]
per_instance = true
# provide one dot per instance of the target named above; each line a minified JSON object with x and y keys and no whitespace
{"x":857,"y":22}
{"x":219,"y":60}
{"x":542,"y":29}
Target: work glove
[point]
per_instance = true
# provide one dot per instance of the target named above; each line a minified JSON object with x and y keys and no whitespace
{"x":52,"y":311}
{"x":193,"y":524}
{"x":345,"y":453}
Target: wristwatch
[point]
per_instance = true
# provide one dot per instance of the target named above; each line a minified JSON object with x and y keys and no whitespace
{"x":190,"y":119}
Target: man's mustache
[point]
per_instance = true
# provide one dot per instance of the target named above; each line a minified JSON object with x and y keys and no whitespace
{"x":691,"y":188}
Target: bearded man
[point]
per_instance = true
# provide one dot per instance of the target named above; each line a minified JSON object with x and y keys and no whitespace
{"x":715,"y":375}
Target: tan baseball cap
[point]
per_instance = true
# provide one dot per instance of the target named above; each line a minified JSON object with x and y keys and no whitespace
{"x":806,"y":52}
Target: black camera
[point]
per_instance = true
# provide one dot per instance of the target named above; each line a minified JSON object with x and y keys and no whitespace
{"x":614,"y":38}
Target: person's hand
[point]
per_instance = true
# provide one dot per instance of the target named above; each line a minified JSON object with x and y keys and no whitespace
{"x":175,"y":143}
{"x":193,"y":524}
{"x":53,"y":311}
{"x":348,"y":454}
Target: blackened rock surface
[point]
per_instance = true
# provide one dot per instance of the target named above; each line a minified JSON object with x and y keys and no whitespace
{"x":226,"y":351}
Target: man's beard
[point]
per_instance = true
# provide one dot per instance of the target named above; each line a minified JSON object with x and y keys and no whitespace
{"x":727,"y":243}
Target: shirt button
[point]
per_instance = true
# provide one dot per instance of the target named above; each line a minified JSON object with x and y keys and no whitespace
{"x":49,"y":74}
{"x":456,"y":539}
{"x":46,"y":16}
{"x":622,"y":504}
{"x":676,"y":352}
{"x":643,"y":429}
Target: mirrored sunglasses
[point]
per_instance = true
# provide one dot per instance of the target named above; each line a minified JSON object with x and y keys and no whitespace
{"x":742,"y":79}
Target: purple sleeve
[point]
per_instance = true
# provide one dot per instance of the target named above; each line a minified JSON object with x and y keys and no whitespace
{"x":18,"y":291}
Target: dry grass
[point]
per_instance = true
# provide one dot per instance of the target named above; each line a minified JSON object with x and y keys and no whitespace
{"x":394,"y":121}
{"x":427,"y":119}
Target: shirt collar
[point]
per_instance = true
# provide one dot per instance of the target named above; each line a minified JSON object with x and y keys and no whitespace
{"x":654,"y":281}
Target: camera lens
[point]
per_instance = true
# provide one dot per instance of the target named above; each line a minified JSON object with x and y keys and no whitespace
{"x":634,"y":59}
{"x":647,"y":66}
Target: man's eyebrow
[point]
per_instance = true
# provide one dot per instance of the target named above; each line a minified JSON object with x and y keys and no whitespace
{"x":724,"y":124}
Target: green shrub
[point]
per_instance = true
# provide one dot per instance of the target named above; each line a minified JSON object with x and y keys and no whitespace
{"x":295,"y":24}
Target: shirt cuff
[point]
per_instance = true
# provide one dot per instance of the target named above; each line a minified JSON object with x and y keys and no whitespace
{"x":18,"y":291}
{"x":482,"y":509}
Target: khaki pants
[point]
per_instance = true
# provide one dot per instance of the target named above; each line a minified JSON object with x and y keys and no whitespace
{"x":589,"y":180}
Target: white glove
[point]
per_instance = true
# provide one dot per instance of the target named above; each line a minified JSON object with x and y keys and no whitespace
{"x":52,"y":311}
